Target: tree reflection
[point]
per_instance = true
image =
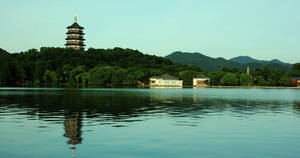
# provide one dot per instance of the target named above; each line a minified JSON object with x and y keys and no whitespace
{"x":111,"y":107}
{"x":296,"y":107}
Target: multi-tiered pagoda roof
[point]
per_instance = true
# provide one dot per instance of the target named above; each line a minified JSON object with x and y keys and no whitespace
{"x":75,"y":38}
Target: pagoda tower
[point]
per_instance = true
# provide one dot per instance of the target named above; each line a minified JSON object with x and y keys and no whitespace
{"x":75,"y":38}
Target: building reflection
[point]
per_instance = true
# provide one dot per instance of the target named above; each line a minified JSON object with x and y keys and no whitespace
{"x":166,"y":95}
{"x":73,"y":125}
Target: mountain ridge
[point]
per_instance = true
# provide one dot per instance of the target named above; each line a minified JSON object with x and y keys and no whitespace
{"x":248,"y":59}
{"x":207,"y":63}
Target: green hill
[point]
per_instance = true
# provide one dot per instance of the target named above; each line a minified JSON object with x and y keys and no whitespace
{"x":247,"y":60}
{"x":94,"y":66}
{"x":213,"y":64}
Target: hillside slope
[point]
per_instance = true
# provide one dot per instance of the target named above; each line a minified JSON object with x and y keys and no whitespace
{"x":207,"y":63}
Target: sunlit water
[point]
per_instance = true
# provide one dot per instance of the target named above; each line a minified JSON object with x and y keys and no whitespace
{"x":148,"y":123}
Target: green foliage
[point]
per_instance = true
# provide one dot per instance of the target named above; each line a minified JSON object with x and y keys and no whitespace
{"x":215,"y":64}
{"x":36,"y":83}
{"x":294,"y":73}
{"x":284,"y":81}
{"x":271,"y":82}
{"x":100,"y":75}
{"x":215,"y":77}
{"x":187,"y":76}
{"x":50,"y":77}
{"x":246,"y":80}
{"x":94,"y":66}
{"x":296,"y":66}
{"x":121,"y":67}
{"x":261,"y":81}
{"x":21,"y":74}
{"x":229,"y":79}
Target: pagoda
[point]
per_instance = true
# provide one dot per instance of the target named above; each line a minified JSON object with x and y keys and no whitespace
{"x":75,"y":38}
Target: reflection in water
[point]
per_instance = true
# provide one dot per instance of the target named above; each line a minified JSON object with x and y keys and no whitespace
{"x":296,"y":107}
{"x":73,"y":124}
{"x":120,"y":107}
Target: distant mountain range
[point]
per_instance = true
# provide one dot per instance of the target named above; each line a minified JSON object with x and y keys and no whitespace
{"x":207,"y":63}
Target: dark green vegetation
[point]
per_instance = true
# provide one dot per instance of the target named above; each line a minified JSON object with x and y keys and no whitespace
{"x":61,"y":66}
{"x":113,"y":67}
{"x":259,"y":77}
{"x":214,"y":64}
{"x":233,"y":72}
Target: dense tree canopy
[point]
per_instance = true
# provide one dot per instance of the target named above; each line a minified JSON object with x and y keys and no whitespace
{"x":92,"y":67}
{"x":61,"y":66}
{"x":229,"y":79}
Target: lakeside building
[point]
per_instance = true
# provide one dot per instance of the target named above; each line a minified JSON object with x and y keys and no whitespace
{"x":201,"y":81}
{"x":165,"y":81}
{"x":295,"y":81}
{"x":75,"y":38}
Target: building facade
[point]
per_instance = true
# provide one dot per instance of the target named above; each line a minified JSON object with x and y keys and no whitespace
{"x":295,"y":81}
{"x":75,"y":38}
{"x":165,"y":81}
{"x":201,"y":81}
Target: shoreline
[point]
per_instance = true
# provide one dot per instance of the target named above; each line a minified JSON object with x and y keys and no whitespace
{"x":148,"y":87}
{"x":255,"y":87}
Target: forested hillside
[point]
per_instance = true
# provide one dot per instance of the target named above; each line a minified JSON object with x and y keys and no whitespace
{"x":91,"y":67}
{"x":114,"y":67}
{"x":214,"y":64}
{"x":249,"y":60}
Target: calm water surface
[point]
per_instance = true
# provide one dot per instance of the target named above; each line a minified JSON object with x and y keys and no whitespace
{"x":142,"y":123}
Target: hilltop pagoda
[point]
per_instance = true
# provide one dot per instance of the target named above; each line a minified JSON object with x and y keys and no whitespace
{"x":75,"y":38}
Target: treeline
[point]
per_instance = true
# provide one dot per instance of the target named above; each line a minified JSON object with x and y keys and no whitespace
{"x":258,"y":77}
{"x":114,"y":67}
{"x":234,"y":77}
{"x":61,"y":66}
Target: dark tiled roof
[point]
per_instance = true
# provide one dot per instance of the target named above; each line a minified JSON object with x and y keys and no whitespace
{"x":165,"y":77}
{"x":75,"y":32}
{"x":75,"y":25}
{"x":77,"y":44}
{"x":75,"y":38}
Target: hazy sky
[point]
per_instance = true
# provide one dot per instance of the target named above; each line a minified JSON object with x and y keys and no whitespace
{"x":263,"y":29}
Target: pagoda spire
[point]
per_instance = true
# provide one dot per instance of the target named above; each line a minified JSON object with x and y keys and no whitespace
{"x":75,"y":21}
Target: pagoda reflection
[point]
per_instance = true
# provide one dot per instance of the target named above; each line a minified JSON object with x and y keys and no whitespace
{"x":73,"y":125}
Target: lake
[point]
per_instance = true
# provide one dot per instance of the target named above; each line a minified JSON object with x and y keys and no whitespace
{"x":148,"y":123}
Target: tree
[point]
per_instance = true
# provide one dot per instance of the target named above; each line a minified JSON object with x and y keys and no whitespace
{"x":100,"y":75}
{"x":135,"y":76}
{"x":246,"y":80}
{"x":21,"y":73}
{"x":284,"y":81}
{"x":187,"y":76}
{"x":50,"y":77}
{"x":271,"y":82}
{"x":66,"y":72}
{"x":75,"y":74}
{"x":296,"y":66}
{"x":229,"y":79}
{"x":38,"y":70}
{"x":215,"y":77}
{"x":117,"y":75}
{"x":294,"y":73}
{"x":261,"y":81}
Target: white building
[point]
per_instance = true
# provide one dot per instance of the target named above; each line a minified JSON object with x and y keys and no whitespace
{"x":165,"y":81}
{"x":201,"y":81}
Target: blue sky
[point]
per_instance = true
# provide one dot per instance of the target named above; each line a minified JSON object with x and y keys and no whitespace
{"x":263,"y":29}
